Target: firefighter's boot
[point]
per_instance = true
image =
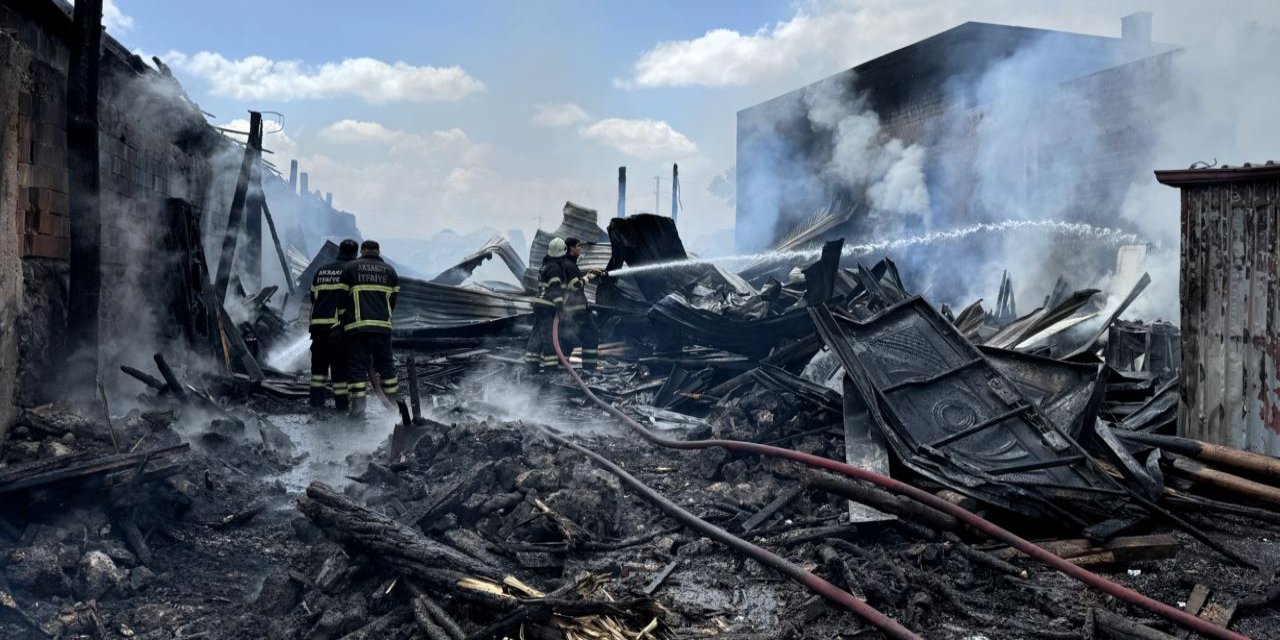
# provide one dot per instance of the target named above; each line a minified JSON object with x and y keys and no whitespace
{"x":357,"y":406}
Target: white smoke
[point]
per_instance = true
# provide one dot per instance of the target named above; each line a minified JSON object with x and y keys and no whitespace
{"x":885,"y":171}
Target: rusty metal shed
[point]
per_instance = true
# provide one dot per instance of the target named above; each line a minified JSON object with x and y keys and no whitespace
{"x":1230,"y":292}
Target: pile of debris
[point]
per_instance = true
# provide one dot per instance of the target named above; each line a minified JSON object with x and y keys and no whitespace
{"x":495,"y":505}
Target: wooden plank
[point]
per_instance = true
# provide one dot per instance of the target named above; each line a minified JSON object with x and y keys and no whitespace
{"x":1219,"y":612}
{"x":1122,"y":628}
{"x":1195,"y":601}
{"x":98,"y":466}
{"x":1084,"y":551}
{"x":771,"y":509}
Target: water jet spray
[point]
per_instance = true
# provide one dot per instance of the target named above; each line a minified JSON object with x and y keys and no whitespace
{"x":1107,"y":235}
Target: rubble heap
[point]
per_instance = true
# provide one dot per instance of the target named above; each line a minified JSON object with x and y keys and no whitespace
{"x":493,"y":505}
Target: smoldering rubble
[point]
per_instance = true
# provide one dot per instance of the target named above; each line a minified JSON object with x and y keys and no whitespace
{"x":491,"y":503}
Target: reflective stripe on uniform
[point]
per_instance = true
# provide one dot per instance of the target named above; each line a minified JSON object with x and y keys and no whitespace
{"x":317,"y":381}
{"x":530,"y":356}
{"x":373,"y":288}
{"x":369,"y":323}
{"x":315,"y":288}
{"x":554,"y":281}
{"x":324,"y":321}
{"x":357,"y":389}
{"x":339,"y":388}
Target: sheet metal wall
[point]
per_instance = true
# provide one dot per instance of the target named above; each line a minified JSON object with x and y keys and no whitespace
{"x":1230,"y":320}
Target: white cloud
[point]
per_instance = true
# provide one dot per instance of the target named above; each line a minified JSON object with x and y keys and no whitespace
{"x":563,"y":114}
{"x":828,"y":35}
{"x":359,"y":132}
{"x":648,"y":139}
{"x":724,"y":57}
{"x":446,"y":143}
{"x":375,"y":81}
{"x":114,"y":19}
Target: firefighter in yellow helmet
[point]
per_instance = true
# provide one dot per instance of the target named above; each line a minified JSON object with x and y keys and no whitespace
{"x":560,"y":285}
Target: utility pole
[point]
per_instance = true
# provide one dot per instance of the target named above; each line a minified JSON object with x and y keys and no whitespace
{"x":85,"y":182}
{"x":675,"y":191}
{"x":657,"y":195}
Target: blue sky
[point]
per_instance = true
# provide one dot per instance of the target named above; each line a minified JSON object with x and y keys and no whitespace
{"x":426,"y":115}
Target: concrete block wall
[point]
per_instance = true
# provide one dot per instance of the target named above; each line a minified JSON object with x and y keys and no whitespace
{"x":13,"y":57}
{"x":155,"y":148}
{"x":42,"y":164}
{"x":141,"y":167}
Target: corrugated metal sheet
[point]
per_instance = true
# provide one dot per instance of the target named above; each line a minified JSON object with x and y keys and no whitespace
{"x":1230,"y":387}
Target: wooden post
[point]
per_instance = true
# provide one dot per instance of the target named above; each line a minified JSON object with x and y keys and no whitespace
{"x":84,"y":182}
{"x":251,"y":264}
{"x":235,"y":219}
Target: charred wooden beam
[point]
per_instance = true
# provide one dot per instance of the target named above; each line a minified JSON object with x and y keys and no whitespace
{"x":1122,"y":628}
{"x":29,"y":477}
{"x":390,"y":542}
{"x":235,"y":219}
{"x":251,"y":264}
{"x":145,"y":378}
{"x":426,"y":609}
{"x":133,"y":537}
{"x":171,"y":380}
{"x":415,"y":400}
{"x":275,"y":239}
{"x":868,"y":495}
{"x":84,"y":182}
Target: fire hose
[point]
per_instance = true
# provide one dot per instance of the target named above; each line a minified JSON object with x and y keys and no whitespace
{"x":813,"y":582}
{"x":1178,"y":616}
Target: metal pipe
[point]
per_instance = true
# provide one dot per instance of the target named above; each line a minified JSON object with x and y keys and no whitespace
{"x":675,"y":191}
{"x":1199,"y":625}
{"x":1227,"y":456}
{"x":622,"y":192}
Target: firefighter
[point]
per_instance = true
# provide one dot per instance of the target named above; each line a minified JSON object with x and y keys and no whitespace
{"x":328,"y":353}
{"x":577,"y":326}
{"x":561,"y":285}
{"x":372,"y":286}
{"x":539,"y":352}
